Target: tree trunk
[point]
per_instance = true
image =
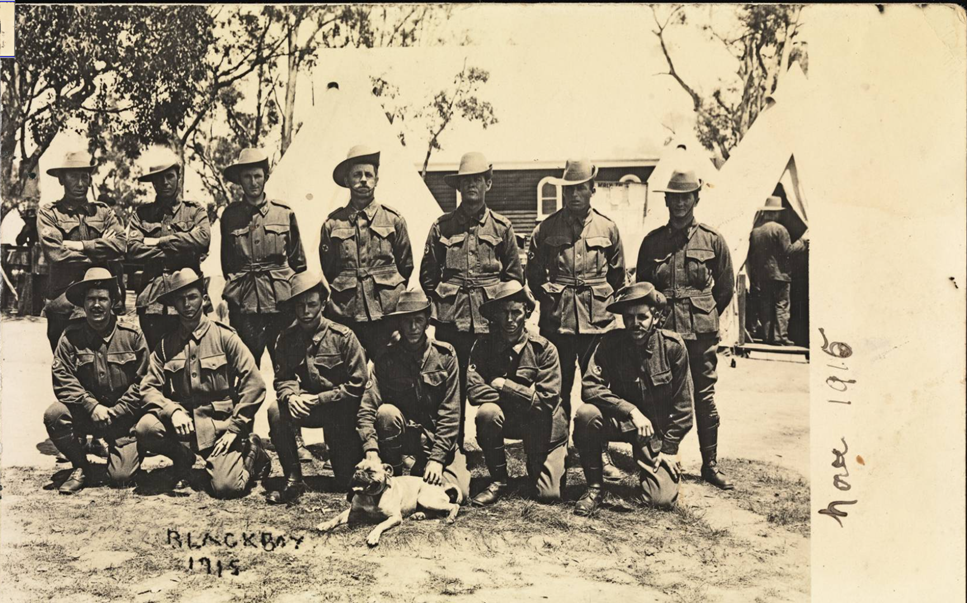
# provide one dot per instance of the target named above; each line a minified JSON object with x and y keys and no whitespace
{"x":288,"y":116}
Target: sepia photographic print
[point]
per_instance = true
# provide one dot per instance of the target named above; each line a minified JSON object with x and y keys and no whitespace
{"x":482,"y":302}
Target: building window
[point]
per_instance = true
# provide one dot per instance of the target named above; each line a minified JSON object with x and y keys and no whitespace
{"x":548,"y":198}
{"x":630,"y":178}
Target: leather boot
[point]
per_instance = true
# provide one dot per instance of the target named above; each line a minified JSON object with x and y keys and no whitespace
{"x":494,"y":492}
{"x":76,"y":482}
{"x":590,"y":501}
{"x":293,"y":489}
{"x":711,"y":472}
{"x":391,"y":451}
{"x":257,"y":461}
{"x":609,"y":470}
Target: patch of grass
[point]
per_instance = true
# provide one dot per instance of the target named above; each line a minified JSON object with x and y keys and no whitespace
{"x":447,"y":585}
{"x":766,"y":489}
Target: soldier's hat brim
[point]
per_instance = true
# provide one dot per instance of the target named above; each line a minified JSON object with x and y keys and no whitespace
{"x":95,"y":277}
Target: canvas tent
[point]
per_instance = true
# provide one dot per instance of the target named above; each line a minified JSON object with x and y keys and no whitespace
{"x":764,"y":158}
{"x":344,"y":116}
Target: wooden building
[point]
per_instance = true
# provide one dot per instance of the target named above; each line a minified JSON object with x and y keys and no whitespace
{"x":525,"y":191}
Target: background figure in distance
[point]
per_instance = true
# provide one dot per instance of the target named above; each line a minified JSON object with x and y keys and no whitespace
{"x":574,"y":264}
{"x":76,"y":234}
{"x":365,"y":253}
{"x":97,"y":371}
{"x":319,"y":379}
{"x":165,"y":236}
{"x":514,"y":379}
{"x":690,"y":264}
{"x":769,"y":252}
{"x":637,"y":389}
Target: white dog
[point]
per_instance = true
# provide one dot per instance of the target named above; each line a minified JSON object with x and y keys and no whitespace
{"x":379,"y":496}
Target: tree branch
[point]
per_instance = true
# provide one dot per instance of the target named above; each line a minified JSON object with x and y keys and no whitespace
{"x":696,"y":99}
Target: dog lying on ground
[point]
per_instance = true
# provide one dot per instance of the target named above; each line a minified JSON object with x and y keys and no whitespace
{"x":379,"y":496}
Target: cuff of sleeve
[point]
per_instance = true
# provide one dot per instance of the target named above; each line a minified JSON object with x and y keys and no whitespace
{"x":371,"y":446}
{"x":517,"y":392}
{"x":626,"y":408}
{"x":438,"y":456}
{"x":236,"y":425}
{"x":327,"y":397}
{"x":88,"y":246}
{"x":669,"y":447}
{"x":90,"y":404}
{"x":162,"y":241}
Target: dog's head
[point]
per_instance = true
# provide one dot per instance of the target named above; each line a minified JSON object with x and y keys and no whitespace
{"x":371,"y":478}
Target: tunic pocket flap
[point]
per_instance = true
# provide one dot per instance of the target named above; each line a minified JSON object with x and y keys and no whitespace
{"x":453,"y":240}
{"x":239,"y":232}
{"x":388,"y":280}
{"x":328,"y":361}
{"x":446,"y":290}
{"x":702,"y":255}
{"x":557,"y":241}
{"x":84,"y":359}
{"x":213,"y":363}
{"x":223,"y":408}
{"x":602,"y":291}
{"x":434,"y":378}
{"x":490,"y":239}
{"x":277,"y":228}
{"x":599,"y":242}
{"x":173,"y":366}
{"x":382,"y":231}
{"x":703,"y":303}
{"x":343,"y":233}
{"x":122,"y":357}
{"x":343,"y":282}
{"x":661,"y":378}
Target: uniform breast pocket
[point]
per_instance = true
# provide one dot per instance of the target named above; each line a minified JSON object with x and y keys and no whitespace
{"x":434,"y":381}
{"x":96,"y":228}
{"x":330,"y":370}
{"x":597,"y":262}
{"x":241,"y":242}
{"x":662,"y":383}
{"x":344,"y":241}
{"x":123,"y":367}
{"x":456,"y":255}
{"x":697,"y":266}
{"x":69,"y":227}
{"x":488,"y":260}
{"x":276,"y":238}
{"x":85,"y":367}
{"x":383,"y":237}
{"x":214,"y":373}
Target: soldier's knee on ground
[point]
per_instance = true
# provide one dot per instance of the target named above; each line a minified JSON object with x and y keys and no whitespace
{"x":229,"y":484}
{"x":659,"y":490}
{"x":124,"y":464}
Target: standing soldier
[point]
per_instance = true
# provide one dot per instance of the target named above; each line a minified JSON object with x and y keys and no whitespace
{"x":166,"y":236}
{"x":637,"y":389}
{"x":574,"y":264}
{"x":260,"y":250}
{"x":76,"y":234}
{"x":412,"y":403}
{"x":468,"y":253}
{"x":365,"y":252}
{"x":690,"y":264}
{"x":203,"y":389}
{"x":514,"y":379}
{"x":97,"y":370}
{"x":319,"y":380}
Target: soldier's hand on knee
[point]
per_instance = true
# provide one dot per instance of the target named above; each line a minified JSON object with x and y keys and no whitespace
{"x":433,"y":473}
{"x":642,"y":424}
{"x":497,"y":383}
{"x":224,"y":443}
{"x":182,"y":423}
{"x":671,"y":464}
{"x":299,"y":406}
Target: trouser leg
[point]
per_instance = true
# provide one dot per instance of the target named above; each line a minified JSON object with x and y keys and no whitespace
{"x":765,"y":309}
{"x":63,"y":425}
{"x":782,"y":311}
{"x":547,"y":471}
{"x":372,"y":335}
{"x":658,"y":488}
{"x":702,"y":360}
{"x":589,"y":439}
{"x":345,"y":447}
{"x":281,"y":432}
{"x":251,"y":330}
{"x":490,"y":436}
{"x":123,"y":460}
{"x":274,"y":325}
{"x":227,"y":472}
{"x":567,"y":351}
{"x":155,"y":436}
{"x":390,"y":427}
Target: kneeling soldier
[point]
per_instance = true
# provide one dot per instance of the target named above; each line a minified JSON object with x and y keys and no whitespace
{"x":418,"y":378}
{"x":97,"y":370}
{"x":201,"y":393}
{"x":515,"y":379}
{"x":319,"y":379}
{"x":637,"y":389}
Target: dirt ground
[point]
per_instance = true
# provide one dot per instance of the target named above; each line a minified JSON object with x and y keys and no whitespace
{"x":132,"y":545}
